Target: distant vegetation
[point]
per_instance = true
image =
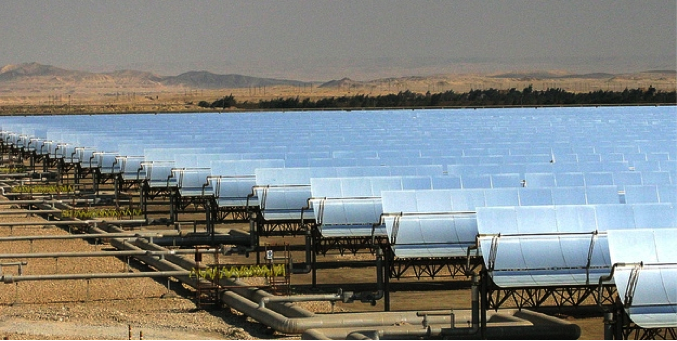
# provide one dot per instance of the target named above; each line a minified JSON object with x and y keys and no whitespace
{"x":473,"y":98}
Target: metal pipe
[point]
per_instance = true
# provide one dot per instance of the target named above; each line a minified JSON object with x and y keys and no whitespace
{"x":19,"y":265}
{"x":162,"y":264}
{"x":542,"y":327}
{"x":398,"y":332}
{"x":304,"y":298}
{"x":255,"y":295}
{"x":393,"y":332}
{"x":102,"y":253}
{"x":8,"y":279}
{"x":296,"y":325}
{"x":307,"y":266}
{"x":74,"y":222}
{"x":474,"y":317}
{"x":288,"y":325}
{"x":192,"y":240}
{"x":81,"y":236}
{"x":605,"y":278}
{"x":13,"y":175}
{"x":38,"y":211}
{"x":45,"y":201}
{"x":609,"y":326}
{"x":521,"y":324}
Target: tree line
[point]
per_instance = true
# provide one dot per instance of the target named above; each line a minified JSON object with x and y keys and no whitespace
{"x":489,"y":97}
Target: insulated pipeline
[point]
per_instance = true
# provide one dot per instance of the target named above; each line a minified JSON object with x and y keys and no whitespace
{"x":7,"y":279}
{"x":102,"y":254}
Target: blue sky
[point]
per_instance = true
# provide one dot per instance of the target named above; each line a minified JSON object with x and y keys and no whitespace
{"x":322,"y":38}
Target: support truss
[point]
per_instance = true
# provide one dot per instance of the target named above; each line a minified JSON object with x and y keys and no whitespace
{"x":346,"y":244}
{"x":280,"y":228}
{"x":548,"y":296}
{"x":432,"y":267}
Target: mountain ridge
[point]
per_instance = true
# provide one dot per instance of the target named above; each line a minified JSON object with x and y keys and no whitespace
{"x":36,"y":77}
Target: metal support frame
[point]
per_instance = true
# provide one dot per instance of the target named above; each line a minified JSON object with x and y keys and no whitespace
{"x":430,"y":267}
{"x":322,"y":245}
{"x":535,"y":297}
{"x":148,"y":194}
{"x":279,"y":228}
{"x":219,"y":214}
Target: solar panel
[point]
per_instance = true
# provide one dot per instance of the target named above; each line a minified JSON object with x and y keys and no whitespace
{"x":432,"y":236}
{"x":243,"y":167}
{"x":274,"y":182}
{"x":571,"y":195}
{"x":506,"y":180}
{"x":131,"y":168}
{"x":85,"y":157}
{"x":570,"y":179}
{"x":646,"y":275}
{"x":352,"y":206}
{"x":546,"y":246}
{"x":627,"y":178}
{"x":539,"y":179}
{"x":656,"y":178}
{"x":533,"y":196}
{"x":635,"y":194}
{"x":446,"y":182}
{"x":193,"y":181}
{"x":667,"y":193}
{"x":107,"y":163}
{"x":159,"y":173}
{"x":646,"y":166}
{"x":476,"y":181}
{"x":600,"y":178}
{"x":669,"y":166}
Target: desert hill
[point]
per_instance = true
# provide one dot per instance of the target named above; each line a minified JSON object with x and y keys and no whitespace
{"x":35,"y":75}
{"x":38,"y":74}
{"x":208,"y":80}
{"x":34,"y":86}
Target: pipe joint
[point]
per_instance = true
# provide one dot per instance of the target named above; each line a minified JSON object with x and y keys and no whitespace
{"x":347,"y":296}
{"x":364,"y":297}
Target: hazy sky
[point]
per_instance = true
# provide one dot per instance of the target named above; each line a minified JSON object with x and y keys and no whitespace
{"x":295,"y":39}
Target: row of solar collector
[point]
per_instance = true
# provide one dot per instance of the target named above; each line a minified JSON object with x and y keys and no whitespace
{"x":504,"y":124}
{"x":508,"y":151}
{"x":537,"y":174}
{"x":659,"y":171}
{"x":89,"y":157}
{"x":549,"y":245}
{"x":485,"y":133}
{"x":239,"y":177}
{"x":431,"y":226}
{"x":235,"y":189}
{"x":557,"y":198}
{"x":427,"y":153}
{"x":580,"y":245}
